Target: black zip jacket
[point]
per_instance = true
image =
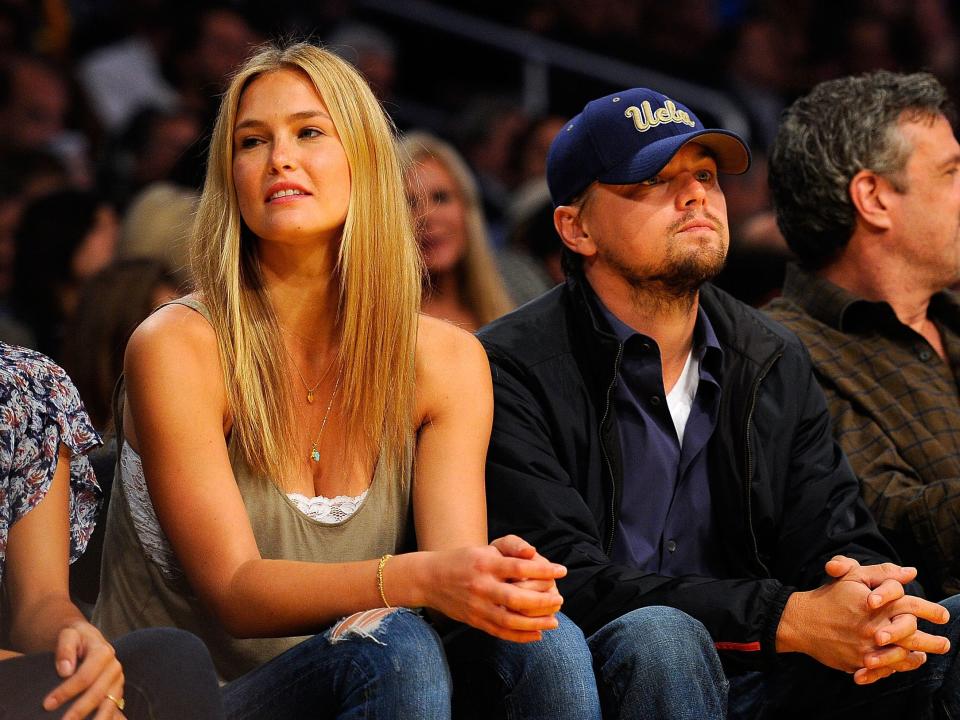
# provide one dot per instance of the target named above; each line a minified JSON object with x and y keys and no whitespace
{"x":784,"y":496}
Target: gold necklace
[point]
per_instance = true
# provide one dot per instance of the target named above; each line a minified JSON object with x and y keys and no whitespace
{"x":314,"y":450}
{"x":310,"y":390}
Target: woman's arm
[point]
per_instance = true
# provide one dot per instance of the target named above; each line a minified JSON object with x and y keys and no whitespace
{"x":455,"y":412}
{"x":44,"y":618}
{"x":178,"y":412}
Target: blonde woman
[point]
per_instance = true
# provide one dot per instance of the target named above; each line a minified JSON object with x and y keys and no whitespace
{"x":302,"y":452}
{"x":464,"y":285}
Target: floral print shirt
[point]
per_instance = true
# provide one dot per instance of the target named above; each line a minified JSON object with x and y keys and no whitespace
{"x":40,"y":409}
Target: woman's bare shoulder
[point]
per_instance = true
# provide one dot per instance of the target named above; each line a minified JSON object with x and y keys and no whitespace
{"x":451,"y":367}
{"x":440,"y":343}
{"x":175,"y":332}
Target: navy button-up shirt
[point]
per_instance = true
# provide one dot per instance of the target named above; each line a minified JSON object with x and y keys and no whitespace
{"x":666,"y":515}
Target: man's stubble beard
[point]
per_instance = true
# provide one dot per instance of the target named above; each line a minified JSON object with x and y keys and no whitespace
{"x":677,"y":279}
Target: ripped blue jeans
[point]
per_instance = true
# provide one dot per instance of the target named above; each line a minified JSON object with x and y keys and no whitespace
{"x":376,"y":664}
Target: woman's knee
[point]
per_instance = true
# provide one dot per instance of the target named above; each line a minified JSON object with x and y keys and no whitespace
{"x":162,"y":651}
{"x":168,"y":674}
{"x":401,"y":650}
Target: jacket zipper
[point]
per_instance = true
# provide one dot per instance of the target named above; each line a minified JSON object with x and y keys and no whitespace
{"x":606,"y":456}
{"x":749,"y":457}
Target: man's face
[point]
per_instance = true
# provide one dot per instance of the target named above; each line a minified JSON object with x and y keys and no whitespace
{"x":665,"y":235}
{"x":38,"y":104}
{"x":926,"y":216}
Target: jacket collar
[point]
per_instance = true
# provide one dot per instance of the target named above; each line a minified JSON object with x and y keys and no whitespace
{"x":735,"y":325}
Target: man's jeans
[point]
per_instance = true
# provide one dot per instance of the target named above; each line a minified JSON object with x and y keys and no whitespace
{"x":801,"y":687}
{"x":658,"y":662}
{"x":395,"y":667}
{"x":551,"y":679}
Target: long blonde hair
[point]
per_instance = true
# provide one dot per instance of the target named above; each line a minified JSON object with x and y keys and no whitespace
{"x":482,"y":288}
{"x":378,"y":271}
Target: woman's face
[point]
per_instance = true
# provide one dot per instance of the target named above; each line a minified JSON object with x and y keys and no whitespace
{"x":289,"y":167}
{"x":98,"y":247}
{"x":441,"y":213}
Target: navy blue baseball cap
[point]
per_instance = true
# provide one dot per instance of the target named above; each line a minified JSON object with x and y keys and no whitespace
{"x":629,"y":137}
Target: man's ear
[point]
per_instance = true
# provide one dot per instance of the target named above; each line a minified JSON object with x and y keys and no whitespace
{"x":872,"y":195}
{"x":572,"y":228}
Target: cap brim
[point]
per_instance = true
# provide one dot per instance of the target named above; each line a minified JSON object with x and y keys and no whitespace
{"x":730,"y":152}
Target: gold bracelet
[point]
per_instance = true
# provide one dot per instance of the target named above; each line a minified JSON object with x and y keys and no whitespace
{"x":383,"y":562}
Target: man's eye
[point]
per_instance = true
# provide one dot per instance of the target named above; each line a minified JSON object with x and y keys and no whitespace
{"x":655,"y":180}
{"x":704,"y":175}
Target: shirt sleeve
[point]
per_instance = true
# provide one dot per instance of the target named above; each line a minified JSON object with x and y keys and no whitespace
{"x":40,"y":409}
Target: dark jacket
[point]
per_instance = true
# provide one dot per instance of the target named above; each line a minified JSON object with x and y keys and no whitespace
{"x":784,"y":495}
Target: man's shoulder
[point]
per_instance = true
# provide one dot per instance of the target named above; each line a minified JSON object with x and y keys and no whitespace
{"x":534,"y":332}
{"x":788,"y":313}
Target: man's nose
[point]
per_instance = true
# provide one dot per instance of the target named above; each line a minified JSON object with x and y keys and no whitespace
{"x":691,"y":191}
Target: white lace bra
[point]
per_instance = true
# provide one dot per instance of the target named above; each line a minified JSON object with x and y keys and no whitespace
{"x":329,"y":511}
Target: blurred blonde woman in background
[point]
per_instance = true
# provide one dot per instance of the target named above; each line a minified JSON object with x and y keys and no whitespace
{"x":303,"y":452}
{"x":466,"y":283}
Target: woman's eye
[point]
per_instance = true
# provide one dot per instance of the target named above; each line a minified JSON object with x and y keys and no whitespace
{"x":440,"y":197}
{"x":310,"y":133}
{"x":249,"y":142}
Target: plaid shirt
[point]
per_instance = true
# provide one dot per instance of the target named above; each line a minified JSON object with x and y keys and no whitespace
{"x":896,"y":412}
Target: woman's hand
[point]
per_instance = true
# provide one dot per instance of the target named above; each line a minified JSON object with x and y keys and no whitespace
{"x":483,"y":587}
{"x":92,"y":672}
{"x":515,"y":546}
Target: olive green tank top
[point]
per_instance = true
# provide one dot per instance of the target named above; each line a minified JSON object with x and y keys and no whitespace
{"x":142,"y":584}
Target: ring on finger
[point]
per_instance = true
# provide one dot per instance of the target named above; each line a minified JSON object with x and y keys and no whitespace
{"x":119,"y":702}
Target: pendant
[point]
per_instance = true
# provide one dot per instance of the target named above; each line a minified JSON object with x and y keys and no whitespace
{"x":309,"y":396}
{"x":315,"y":454}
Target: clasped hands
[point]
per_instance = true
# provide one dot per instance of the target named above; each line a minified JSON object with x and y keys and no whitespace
{"x":862,"y":621}
{"x":506,"y":589}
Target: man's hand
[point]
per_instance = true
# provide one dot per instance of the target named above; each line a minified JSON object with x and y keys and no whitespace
{"x":901,"y":647}
{"x":861,"y":622}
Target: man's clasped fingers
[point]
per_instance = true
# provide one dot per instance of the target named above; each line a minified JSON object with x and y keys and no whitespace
{"x":886,"y":665}
{"x":873,"y":576}
{"x":888,"y":591}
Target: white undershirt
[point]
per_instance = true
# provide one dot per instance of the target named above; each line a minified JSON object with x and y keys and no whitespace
{"x":681,"y":395}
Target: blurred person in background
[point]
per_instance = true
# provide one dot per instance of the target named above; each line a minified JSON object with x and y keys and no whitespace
{"x":211,"y":43}
{"x":62,"y":239}
{"x":35,"y":99}
{"x":111,"y":305}
{"x":466,"y":286}
{"x":148,"y":151}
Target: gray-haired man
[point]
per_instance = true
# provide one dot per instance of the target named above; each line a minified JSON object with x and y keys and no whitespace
{"x":865,"y":173}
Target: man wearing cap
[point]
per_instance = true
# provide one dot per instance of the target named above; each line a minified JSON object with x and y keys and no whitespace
{"x":672,"y":448}
{"x":865,"y":174}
